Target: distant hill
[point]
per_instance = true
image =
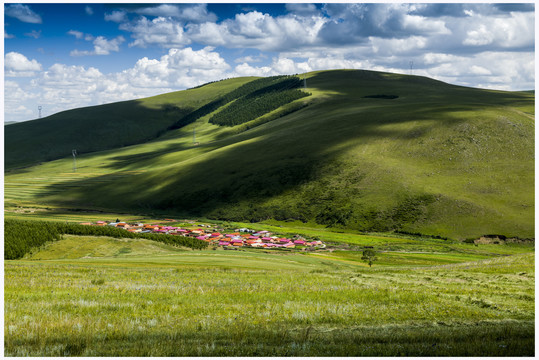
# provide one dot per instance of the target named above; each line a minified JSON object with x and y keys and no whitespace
{"x":365,"y":150}
{"x":9,"y":122}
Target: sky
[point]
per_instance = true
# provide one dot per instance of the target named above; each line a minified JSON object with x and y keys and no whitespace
{"x":60,"y":56}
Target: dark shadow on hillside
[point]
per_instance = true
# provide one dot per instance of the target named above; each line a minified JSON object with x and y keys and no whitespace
{"x":144,"y":159}
{"x":87,"y":130}
{"x":234,"y":181}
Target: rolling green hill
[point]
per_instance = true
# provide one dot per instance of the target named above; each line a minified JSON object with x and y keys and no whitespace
{"x":365,"y":150}
{"x":107,"y":126}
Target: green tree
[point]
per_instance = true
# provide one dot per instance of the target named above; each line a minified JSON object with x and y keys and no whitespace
{"x":369,"y":256}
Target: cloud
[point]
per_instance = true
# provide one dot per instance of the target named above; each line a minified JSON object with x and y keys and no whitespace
{"x":493,"y":70}
{"x":515,"y":7}
{"x":302,"y":9}
{"x":16,"y":64}
{"x":116,"y":16}
{"x":505,"y":33}
{"x":75,"y":33}
{"x":440,"y":10}
{"x":180,"y":68}
{"x":248,"y":70}
{"x":160,"y":31}
{"x":63,"y":87}
{"x":283,"y":65}
{"x":102,"y":46}
{"x":68,"y":76}
{"x":34,"y":33}
{"x":453,"y":27}
{"x":479,"y":36}
{"x":22,"y":13}
{"x":88,"y":10}
{"x":192,"y":13}
{"x":353,"y":23}
{"x":251,"y":59}
{"x":14,"y":96}
{"x":8,"y":36}
{"x":260,"y":31}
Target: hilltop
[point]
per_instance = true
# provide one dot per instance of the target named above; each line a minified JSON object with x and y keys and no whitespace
{"x":360,"y":150}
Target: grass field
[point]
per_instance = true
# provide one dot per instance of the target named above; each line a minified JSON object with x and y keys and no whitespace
{"x":355,"y":171}
{"x":84,"y":296}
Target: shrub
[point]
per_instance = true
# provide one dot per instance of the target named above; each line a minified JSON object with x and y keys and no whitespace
{"x":369,"y":256}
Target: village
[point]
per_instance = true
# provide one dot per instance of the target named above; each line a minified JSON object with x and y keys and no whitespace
{"x":242,"y":237}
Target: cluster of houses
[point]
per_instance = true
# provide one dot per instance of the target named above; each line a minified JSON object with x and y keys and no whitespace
{"x":238,"y":238}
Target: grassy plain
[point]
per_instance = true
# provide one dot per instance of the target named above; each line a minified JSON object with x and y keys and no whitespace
{"x":85,"y":296}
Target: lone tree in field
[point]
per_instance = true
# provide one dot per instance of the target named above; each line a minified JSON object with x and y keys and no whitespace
{"x":369,"y":256}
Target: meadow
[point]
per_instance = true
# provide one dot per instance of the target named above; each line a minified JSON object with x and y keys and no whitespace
{"x":412,"y":168}
{"x":100,"y":296}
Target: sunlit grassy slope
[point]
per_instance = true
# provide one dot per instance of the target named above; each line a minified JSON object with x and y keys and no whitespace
{"x":105,"y":127}
{"x":439,"y":159}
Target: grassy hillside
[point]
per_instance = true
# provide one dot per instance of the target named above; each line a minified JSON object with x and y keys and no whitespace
{"x":367,"y":151}
{"x":107,"y":126}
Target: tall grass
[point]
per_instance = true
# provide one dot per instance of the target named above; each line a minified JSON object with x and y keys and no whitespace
{"x":124,"y":307}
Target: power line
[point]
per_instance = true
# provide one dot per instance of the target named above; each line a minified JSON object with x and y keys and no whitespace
{"x":74,"y":152}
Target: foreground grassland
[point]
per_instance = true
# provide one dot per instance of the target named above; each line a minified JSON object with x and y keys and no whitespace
{"x":112,"y":297}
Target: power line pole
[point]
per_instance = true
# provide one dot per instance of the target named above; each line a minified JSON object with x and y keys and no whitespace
{"x":39,"y":107}
{"x":74,"y":152}
{"x":305,"y":81}
{"x":411,"y":67}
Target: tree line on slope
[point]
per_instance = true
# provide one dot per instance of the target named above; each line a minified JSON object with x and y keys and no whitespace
{"x":255,"y":88}
{"x":251,"y":107}
{"x":20,"y":236}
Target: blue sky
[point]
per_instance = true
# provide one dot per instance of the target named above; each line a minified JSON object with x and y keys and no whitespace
{"x":63,"y":56}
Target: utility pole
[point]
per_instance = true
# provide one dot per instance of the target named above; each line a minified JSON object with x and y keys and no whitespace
{"x":411,"y":67}
{"x":74,"y":152}
{"x":39,"y":107}
{"x":305,"y":81}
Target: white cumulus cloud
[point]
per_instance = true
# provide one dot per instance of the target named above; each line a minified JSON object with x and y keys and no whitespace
{"x":116,"y":16}
{"x":62,"y":87}
{"x":160,"y":31}
{"x":258,"y":30}
{"x":22,"y":13}
{"x":16,"y":64}
{"x":193,"y":13}
{"x":102,"y":46}
{"x":180,"y":68}
{"x":75,"y":33}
